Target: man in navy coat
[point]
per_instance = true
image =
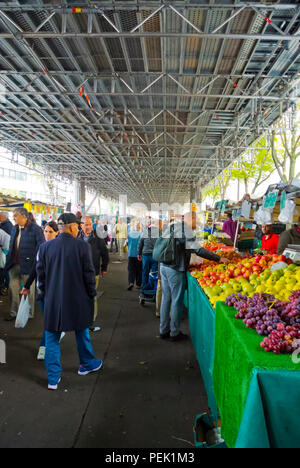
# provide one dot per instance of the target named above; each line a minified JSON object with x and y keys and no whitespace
{"x":66,"y":280}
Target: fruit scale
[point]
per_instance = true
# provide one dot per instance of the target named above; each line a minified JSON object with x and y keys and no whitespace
{"x":293,"y":252}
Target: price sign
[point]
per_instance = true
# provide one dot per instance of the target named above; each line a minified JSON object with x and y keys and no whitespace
{"x":271,"y":199}
{"x":283,"y":200}
{"x":236,"y":214}
{"x":246,"y":207}
{"x":224,"y":203}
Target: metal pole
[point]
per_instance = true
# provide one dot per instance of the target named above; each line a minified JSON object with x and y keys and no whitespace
{"x":236,"y":233}
{"x":116,"y":35}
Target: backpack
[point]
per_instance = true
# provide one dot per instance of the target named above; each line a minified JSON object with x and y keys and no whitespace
{"x":165,"y":249}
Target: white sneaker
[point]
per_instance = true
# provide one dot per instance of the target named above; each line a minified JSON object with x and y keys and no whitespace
{"x":53,"y":387}
{"x":41,"y":353}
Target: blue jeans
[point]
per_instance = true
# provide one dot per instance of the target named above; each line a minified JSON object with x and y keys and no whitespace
{"x":173,"y":285}
{"x":43,"y":340}
{"x":148,"y":265}
{"x":52,"y":356}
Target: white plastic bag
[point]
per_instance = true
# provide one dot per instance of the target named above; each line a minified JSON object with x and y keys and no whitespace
{"x":23,"y":313}
{"x":263,"y":216}
{"x":278,"y":266}
{"x":287,"y":214}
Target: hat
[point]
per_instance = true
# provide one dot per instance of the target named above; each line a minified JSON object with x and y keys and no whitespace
{"x":67,"y":218}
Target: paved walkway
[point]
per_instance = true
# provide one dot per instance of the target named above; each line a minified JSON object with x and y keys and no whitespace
{"x":146,"y":396}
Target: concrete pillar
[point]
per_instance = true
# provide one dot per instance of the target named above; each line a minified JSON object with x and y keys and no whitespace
{"x":82,"y":195}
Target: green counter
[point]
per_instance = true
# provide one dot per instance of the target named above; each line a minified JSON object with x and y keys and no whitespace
{"x":202,"y":332}
{"x":257,"y":393}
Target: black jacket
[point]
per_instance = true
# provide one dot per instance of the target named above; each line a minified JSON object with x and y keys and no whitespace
{"x":99,"y":251}
{"x":66,"y":280}
{"x":7,"y":226}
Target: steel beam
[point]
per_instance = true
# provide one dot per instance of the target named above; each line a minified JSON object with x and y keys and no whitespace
{"x":118,"y":94}
{"x":139,"y":74}
{"x":60,"y":7}
{"x":97,"y":144}
{"x":127,"y":35}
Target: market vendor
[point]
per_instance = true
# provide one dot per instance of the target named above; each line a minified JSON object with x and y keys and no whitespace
{"x":269,"y":241}
{"x":230,"y":227}
{"x":292,"y":236}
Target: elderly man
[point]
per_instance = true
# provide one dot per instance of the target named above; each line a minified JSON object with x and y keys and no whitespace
{"x":99,"y":254}
{"x":26,"y":237}
{"x":5,"y":223}
{"x":66,"y":279}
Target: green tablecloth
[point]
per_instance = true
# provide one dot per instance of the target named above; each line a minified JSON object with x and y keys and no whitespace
{"x":253,"y":388}
{"x":257,"y":392}
{"x":202,"y":331}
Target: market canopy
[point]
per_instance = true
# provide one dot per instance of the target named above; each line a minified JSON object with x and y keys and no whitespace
{"x":143,"y":98}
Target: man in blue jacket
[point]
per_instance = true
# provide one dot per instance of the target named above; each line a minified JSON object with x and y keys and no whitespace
{"x":66,"y":280}
{"x":26,"y":237}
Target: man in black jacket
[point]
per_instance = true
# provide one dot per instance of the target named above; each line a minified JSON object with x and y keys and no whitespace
{"x":66,"y":280}
{"x":173,"y":277}
{"x":99,"y":254}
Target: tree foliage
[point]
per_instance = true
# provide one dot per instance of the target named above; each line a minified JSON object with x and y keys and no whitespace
{"x":255,"y":167}
{"x":285,"y":145}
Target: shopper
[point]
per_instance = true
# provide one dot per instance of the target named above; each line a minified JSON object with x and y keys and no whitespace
{"x":26,"y":237}
{"x":134,"y":264}
{"x":99,"y":255}
{"x":50,"y":233}
{"x":66,"y":279}
{"x":158,"y":297}
{"x":269,"y":241}
{"x":292,"y":236}
{"x":4,"y":247}
{"x":146,"y":246}
{"x":95,"y":223}
{"x":101,"y":230}
{"x":5,"y":223}
{"x":173,"y":277}
{"x":230,"y":227}
{"x":113,"y":237}
{"x":121,"y":234}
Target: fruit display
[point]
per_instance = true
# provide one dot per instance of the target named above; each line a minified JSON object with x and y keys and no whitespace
{"x":248,"y":276}
{"x":264,"y":290}
{"x":278,"y":321}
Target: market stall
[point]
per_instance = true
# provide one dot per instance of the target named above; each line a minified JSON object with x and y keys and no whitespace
{"x":256,"y":393}
{"x":9,"y":202}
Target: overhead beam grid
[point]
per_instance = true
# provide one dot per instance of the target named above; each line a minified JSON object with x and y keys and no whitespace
{"x":144,"y":98}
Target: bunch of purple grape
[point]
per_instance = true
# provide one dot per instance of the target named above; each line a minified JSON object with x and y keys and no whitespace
{"x":235,"y":298}
{"x":277,"y":320}
{"x":281,"y":340}
{"x":291,"y":310}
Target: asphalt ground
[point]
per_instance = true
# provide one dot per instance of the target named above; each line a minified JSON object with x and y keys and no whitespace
{"x":146,"y":396}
